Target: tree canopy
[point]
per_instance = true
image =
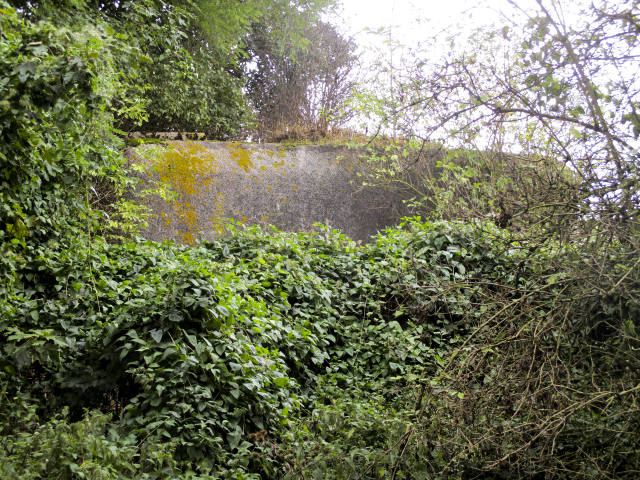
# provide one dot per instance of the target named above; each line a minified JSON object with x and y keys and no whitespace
{"x":184,"y":65}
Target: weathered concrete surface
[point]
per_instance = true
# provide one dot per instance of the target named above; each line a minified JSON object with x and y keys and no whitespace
{"x":289,"y":187}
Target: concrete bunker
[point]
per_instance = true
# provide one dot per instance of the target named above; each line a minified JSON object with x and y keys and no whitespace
{"x":290,"y":187}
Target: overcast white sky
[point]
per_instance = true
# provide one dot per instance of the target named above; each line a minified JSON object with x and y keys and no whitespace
{"x":355,"y":17}
{"x":401,"y":15}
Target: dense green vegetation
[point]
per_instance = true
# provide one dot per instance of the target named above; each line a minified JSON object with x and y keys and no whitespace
{"x":501,"y":346}
{"x":180,"y":66}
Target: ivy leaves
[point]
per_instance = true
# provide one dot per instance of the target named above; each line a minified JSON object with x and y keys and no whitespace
{"x":198,"y":347}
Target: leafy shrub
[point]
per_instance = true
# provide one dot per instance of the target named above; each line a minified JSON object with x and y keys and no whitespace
{"x":91,"y":449}
{"x":200,"y":347}
{"x":284,"y":354}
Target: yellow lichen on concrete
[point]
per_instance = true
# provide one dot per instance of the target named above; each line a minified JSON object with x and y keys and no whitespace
{"x":191,"y":170}
{"x":216,"y":221}
{"x":186,"y":167}
{"x":187,"y":217}
{"x":188,"y":239}
{"x":242,"y":156}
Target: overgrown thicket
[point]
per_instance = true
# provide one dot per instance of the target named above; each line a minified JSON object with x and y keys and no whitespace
{"x":206,"y":356}
{"x":531,"y":124}
{"x":504,"y":345}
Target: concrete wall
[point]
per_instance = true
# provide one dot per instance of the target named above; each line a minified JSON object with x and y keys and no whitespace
{"x":289,"y":187}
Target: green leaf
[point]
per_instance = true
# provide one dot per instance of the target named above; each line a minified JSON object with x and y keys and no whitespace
{"x":156,"y":335}
{"x":281,"y":382}
{"x":233,"y":438}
